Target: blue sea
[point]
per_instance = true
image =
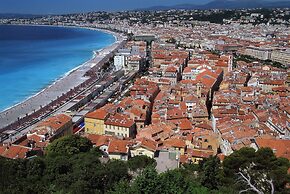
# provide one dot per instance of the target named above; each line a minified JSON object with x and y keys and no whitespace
{"x":33,"y":57}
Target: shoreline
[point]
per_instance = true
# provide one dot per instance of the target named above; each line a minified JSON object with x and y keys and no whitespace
{"x":67,"y":77}
{"x":65,"y":74}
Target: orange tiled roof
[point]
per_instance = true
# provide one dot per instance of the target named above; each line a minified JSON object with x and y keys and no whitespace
{"x":280,"y":147}
{"x":14,"y":151}
{"x":53,"y":123}
{"x":174,"y":142}
{"x":98,"y":114}
{"x":171,"y":69}
{"x":199,"y":153}
{"x":118,"y":146}
{"x":149,"y":144}
{"x":119,"y":120}
{"x":184,"y":124}
{"x":100,"y":140}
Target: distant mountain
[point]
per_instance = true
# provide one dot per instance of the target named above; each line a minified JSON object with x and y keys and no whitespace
{"x":12,"y":15}
{"x":239,"y":4}
{"x":226,"y":4}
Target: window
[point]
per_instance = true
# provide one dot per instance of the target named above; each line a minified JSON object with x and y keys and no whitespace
{"x":123,"y":157}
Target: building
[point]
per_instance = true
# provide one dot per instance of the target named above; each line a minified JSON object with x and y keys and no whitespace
{"x":259,"y":53}
{"x":52,"y":128}
{"x":95,"y":121}
{"x":120,"y":125}
{"x":197,"y":155}
{"x":100,"y":141}
{"x":144,"y":147}
{"x":135,"y":63}
{"x":119,"y":62}
{"x":176,"y":144}
{"x":281,"y":148}
{"x":15,"y":152}
{"x":281,"y":57}
{"x":119,"y":149}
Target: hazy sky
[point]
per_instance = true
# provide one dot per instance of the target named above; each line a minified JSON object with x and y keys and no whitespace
{"x":71,"y":6}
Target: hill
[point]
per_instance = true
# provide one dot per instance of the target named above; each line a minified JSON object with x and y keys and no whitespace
{"x":226,"y":4}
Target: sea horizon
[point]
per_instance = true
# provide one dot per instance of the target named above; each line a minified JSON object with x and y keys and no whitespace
{"x":40,"y":55}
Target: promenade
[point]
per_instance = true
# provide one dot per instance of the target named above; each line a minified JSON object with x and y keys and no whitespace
{"x":60,"y":91}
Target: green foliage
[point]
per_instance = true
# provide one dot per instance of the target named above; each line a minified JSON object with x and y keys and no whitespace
{"x":69,"y":145}
{"x":259,"y":165}
{"x":140,"y":162}
{"x":121,"y":187}
{"x":191,"y":167}
{"x":238,"y":159}
{"x":249,"y":59}
{"x":171,"y":182}
{"x":210,"y":172}
{"x":171,"y":40}
{"x":147,"y":182}
{"x":62,"y":171}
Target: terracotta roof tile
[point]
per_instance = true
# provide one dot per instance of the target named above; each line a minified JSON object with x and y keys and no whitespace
{"x":174,"y":142}
{"x":280,"y":147}
{"x":118,"y":146}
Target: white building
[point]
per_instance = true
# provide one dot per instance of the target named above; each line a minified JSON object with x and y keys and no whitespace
{"x":259,"y":53}
{"x":281,"y":57}
{"x":119,"y":62}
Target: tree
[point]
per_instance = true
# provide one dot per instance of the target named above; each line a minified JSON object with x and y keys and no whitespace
{"x":116,"y":170}
{"x":257,"y":182}
{"x":173,"y":182}
{"x":210,"y":172}
{"x":236,"y":160}
{"x":81,"y":186}
{"x":147,"y":182}
{"x":171,"y":40}
{"x":69,"y":145}
{"x":194,"y":188}
{"x":261,"y":171}
{"x":35,"y":168}
{"x":121,"y":187}
{"x":140,"y":162}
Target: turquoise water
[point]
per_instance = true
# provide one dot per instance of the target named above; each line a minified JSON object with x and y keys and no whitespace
{"x":33,"y":57}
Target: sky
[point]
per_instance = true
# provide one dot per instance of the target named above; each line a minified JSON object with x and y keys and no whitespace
{"x":73,"y":6}
{"x":77,"y":6}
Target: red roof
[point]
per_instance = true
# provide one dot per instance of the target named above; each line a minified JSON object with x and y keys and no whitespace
{"x":187,"y":70}
{"x":280,"y":147}
{"x":171,"y":69}
{"x":174,"y":142}
{"x":54,"y":123}
{"x":118,"y":146}
{"x":14,"y":151}
{"x":100,"y":140}
{"x":100,"y":114}
{"x":176,"y":113}
{"x":184,"y":124}
{"x":200,"y":153}
{"x":149,"y":144}
{"x":120,"y":120}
